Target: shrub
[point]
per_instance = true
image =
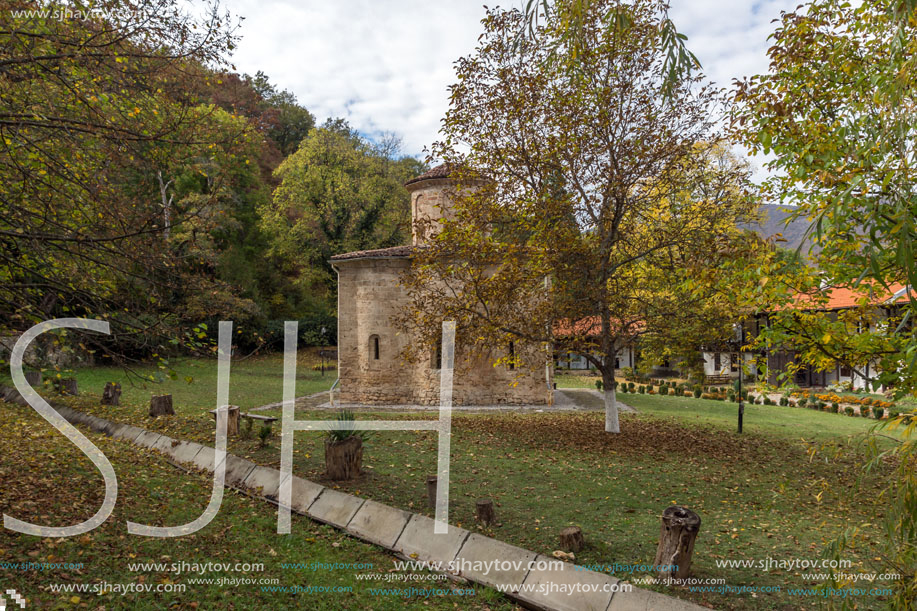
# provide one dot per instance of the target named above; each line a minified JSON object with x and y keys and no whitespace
{"x":623,"y":388}
{"x":879,"y":412}
{"x":630,"y":387}
{"x":598,"y":384}
{"x":767,"y":401}
{"x":642,"y":389}
{"x":342,"y":434}
{"x":848,"y":410}
{"x":865,"y":411}
{"x":784,"y":401}
{"x":835,"y":407}
{"x":697,"y":392}
{"x":264,"y":433}
{"x":649,"y":389}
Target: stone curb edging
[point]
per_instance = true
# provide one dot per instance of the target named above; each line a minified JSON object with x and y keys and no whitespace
{"x":408,"y":535}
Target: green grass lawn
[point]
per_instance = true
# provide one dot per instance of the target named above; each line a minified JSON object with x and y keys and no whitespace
{"x":254,"y":381}
{"x":791,"y":423}
{"x":46,"y":480}
{"x":569,"y":380}
{"x":760,"y":495}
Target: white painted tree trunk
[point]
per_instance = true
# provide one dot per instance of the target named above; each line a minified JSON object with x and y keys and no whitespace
{"x":166,"y":205}
{"x":611,"y":412}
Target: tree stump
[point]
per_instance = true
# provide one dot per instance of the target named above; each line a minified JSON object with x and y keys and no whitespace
{"x":431,"y":490}
{"x":67,"y":386}
{"x":677,"y":533}
{"x":571,"y":539}
{"x":161,"y":405}
{"x":484,"y":510}
{"x":343,"y":459}
{"x":112,"y":393}
{"x":233,"y":414}
{"x":33,"y":378}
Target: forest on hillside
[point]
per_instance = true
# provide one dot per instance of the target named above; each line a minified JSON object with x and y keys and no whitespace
{"x":147,"y":183}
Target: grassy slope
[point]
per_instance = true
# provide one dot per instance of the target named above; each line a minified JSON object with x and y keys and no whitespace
{"x":47,"y":480}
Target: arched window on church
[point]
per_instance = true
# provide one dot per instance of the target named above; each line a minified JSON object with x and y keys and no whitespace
{"x":415,"y":219}
{"x":437,"y":360}
{"x":374,"y":347}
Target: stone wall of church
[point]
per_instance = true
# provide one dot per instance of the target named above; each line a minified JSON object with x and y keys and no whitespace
{"x":369,"y":297}
{"x":430,"y":202}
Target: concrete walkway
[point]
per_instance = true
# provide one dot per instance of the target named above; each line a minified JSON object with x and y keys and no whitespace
{"x":407,"y":535}
{"x":565,"y":400}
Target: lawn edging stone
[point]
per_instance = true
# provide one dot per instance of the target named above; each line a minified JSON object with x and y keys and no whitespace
{"x":639,"y":599}
{"x":478,"y":552}
{"x":237,"y":469}
{"x":185,"y":451}
{"x":418,"y":542}
{"x":335,"y":508}
{"x":567,"y":575}
{"x":265,"y":480}
{"x":378,"y":523}
{"x":304,"y":492}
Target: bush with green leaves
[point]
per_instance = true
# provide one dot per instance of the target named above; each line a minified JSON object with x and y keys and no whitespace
{"x":865,"y":411}
{"x":598,"y":385}
{"x":849,"y":410}
{"x":878,"y":412}
{"x":264,"y":433}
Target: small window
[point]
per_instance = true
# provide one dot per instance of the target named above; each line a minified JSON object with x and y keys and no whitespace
{"x":438,"y":355}
{"x":716,"y":361}
{"x":512,"y":356}
{"x":374,"y":347}
{"x":846,"y":372}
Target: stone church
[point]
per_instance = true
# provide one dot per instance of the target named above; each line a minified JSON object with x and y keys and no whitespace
{"x":370,"y":366}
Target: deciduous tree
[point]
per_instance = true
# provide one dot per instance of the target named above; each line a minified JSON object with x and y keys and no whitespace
{"x":584,"y":199}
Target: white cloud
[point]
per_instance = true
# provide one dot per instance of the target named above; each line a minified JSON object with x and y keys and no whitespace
{"x":385,"y":65}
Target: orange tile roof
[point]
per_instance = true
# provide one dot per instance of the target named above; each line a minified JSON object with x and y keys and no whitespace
{"x":589,"y":326}
{"x":841,"y":298}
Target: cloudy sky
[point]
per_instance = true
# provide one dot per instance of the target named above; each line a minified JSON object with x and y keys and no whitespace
{"x":384,"y":65}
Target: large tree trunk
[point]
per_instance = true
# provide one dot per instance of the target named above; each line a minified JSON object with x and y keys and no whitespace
{"x":611,"y":403}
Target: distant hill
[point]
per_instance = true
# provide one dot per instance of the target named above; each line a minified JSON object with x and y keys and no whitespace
{"x":773,"y":225}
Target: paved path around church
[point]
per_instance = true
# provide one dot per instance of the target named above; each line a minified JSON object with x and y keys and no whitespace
{"x":408,"y":535}
{"x":565,"y":400}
